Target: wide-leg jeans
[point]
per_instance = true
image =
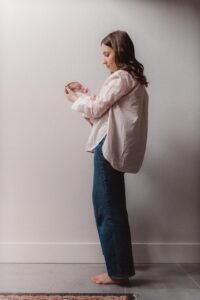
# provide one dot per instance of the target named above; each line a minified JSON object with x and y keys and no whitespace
{"x":109,"y":203}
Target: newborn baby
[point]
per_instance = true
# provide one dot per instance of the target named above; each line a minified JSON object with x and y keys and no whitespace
{"x":78,"y":88}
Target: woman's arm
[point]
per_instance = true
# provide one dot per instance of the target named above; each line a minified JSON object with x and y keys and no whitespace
{"x":116,"y":86}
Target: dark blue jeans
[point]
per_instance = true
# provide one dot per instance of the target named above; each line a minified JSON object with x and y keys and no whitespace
{"x":109,"y":202}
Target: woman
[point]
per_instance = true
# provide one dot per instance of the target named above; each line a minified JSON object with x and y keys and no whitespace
{"x":118,"y":141}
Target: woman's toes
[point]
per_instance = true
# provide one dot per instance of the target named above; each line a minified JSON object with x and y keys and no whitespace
{"x":99,"y":278}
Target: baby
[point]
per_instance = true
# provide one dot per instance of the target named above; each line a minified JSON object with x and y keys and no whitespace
{"x":78,"y":88}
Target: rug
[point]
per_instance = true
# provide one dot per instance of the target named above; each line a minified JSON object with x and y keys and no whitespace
{"x":67,"y":296}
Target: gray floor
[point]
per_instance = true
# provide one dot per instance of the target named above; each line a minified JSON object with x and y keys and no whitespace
{"x":151,"y":282}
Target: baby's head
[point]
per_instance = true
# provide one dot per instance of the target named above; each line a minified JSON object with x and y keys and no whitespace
{"x":77,"y":87}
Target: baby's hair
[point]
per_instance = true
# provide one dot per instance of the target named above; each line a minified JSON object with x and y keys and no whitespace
{"x":68,"y":85}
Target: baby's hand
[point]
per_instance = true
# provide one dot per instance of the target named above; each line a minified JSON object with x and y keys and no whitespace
{"x":93,"y":97}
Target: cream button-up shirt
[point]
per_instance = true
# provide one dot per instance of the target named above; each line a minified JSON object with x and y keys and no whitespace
{"x":120,"y":112}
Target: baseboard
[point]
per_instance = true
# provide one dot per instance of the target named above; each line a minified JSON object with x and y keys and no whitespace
{"x":91,"y":252}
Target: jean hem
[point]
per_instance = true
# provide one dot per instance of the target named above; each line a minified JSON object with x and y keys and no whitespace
{"x":122,"y":278}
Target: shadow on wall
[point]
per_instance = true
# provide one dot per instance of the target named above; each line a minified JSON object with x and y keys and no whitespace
{"x":166,"y":208}
{"x":171,"y":196}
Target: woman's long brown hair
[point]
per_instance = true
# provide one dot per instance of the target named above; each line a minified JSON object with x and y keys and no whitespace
{"x":124,"y":49}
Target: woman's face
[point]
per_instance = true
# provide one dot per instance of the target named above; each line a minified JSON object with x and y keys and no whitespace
{"x":109,"y":58}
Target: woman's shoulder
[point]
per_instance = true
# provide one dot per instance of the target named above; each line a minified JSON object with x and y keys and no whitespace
{"x":119,"y":80}
{"x":121,"y":75}
{"x":127,"y":78}
{"x":121,"y":72}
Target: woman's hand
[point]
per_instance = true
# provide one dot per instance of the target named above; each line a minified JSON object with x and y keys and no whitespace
{"x":88,"y":119}
{"x":70,"y":94}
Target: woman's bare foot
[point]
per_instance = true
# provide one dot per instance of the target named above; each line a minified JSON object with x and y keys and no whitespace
{"x":104,"y":278}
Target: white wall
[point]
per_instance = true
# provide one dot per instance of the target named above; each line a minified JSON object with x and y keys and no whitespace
{"x":46,"y":212}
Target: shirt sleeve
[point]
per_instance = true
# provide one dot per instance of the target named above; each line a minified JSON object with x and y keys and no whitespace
{"x":116,"y":86}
